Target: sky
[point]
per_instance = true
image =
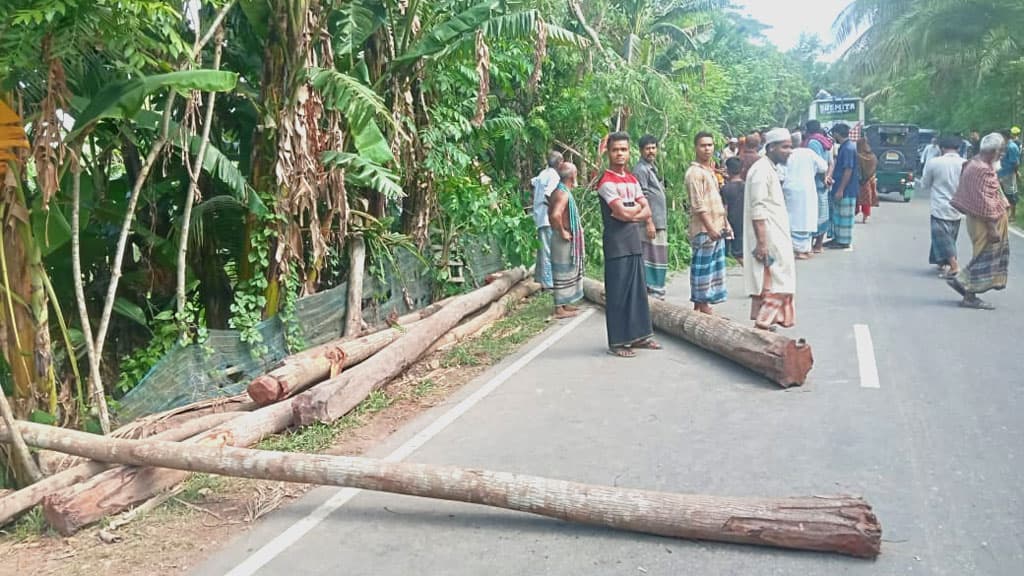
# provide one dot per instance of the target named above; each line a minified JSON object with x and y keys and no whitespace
{"x":789,"y":18}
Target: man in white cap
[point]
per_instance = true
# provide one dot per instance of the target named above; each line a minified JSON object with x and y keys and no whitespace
{"x":770,"y":277}
{"x":732,"y":150}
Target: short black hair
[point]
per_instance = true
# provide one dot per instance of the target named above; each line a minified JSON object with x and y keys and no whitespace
{"x":949,"y":142}
{"x":734,"y":166}
{"x":617,"y":137}
{"x":841,"y":129}
{"x":703,"y":134}
{"x":646,"y":140}
{"x":813,"y":127}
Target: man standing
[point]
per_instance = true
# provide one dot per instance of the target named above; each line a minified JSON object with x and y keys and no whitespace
{"x":732,"y":150}
{"x":816,"y":140}
{"x":845,"y":189}
{"x":1010,"y":168}
{"x":655,"y":242}
{"x":749,"y":154}
{"x":801,"y":193}
{"x":732,"y":197}
{"x":940,"y":180}
{"x":708,"y":228}
{"x":771,"y":278}
{"x":624,"y":212}
{"x":980,"y":198}
{"x":930,"y":152}
{"x":567,"y":252}
{"x":543,"y":185}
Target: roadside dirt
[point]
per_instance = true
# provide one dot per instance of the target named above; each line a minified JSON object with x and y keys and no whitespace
{"x":180,"y":534}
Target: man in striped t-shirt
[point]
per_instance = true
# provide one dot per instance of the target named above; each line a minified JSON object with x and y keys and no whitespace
{"x":625,"y":212}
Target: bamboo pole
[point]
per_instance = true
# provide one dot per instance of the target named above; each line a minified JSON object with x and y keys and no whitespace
{"x":840,"y":524}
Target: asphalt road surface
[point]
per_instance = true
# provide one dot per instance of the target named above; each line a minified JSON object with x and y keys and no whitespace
{"x":930,"y":430}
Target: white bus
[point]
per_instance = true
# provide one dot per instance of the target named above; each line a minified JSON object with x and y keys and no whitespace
{"x":830,"y":111}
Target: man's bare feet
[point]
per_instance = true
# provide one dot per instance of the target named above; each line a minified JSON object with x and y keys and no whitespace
{"x":562,"y":312}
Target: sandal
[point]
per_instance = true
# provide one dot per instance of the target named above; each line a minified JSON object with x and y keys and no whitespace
{"x":646,"y":344}
{"x":622,"y":352}
{"x":948,"y":274}
{"x":976,"y":304}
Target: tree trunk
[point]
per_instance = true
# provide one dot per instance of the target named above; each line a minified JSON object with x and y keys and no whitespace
{"x":841,"y":524}
{"x":488,"y":317}
{"x":309,"y":367}
{"x":334,"y":398}
{"x":15,"y":503}
{"x":354,"y":304}
{"x":780,"y":359}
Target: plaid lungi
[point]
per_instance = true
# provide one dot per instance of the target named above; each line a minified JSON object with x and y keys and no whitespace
{"x":656,"y":262}
{"x":944,"y":235}
{"x":707,"y":270}
{"x":843,"y":214}
{"x":990,"y":266}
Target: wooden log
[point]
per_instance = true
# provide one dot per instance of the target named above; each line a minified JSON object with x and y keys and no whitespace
{"x":333,"y":398}
{"x":484,"y":320}
{"x":354,"y":302}
{"x":780,"y":359}
{"x":17,"y":502}
{"x":302,"y":370}
{"x":841,"y":524}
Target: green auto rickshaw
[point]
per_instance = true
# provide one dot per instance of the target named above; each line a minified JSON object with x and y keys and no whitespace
{"x":897,"y":149}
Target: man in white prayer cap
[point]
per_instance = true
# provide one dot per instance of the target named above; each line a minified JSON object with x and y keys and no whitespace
{"x":770,"y":275}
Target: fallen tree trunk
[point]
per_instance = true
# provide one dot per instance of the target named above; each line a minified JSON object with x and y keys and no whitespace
{"x":841,"y":524}
{"x":780,"y":359}
{"x":15,"y":503}
{"x":302,"y":370}
{"x":488,"y":317}
{"x":333,"y":398}
{"x":118,"y":488}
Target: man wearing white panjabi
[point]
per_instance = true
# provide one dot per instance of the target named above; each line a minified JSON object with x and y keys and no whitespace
{"x":770,"y":275}
{"x":801,"y":195}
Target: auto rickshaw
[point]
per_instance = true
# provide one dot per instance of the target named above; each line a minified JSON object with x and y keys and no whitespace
{"x":896,"y":146}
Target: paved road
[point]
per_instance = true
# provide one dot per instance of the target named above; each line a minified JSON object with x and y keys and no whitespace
{"x":937,"y":447}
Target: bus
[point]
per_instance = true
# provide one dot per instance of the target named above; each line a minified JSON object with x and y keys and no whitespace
{"x":830,"y":111}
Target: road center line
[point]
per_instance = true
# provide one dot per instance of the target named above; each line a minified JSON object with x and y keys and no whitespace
{"x":866,"y":356}
{"x":296,"y":531}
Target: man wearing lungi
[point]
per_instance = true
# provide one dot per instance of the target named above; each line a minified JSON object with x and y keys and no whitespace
{"x":655,"y":242}
{"x":940,"y":180}
{"x":543,"y":185}
{"x":709,"y":228}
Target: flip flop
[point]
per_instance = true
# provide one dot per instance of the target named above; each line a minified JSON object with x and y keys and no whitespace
{"x":976,"y":304}
{"x":622,"y":352}
{"x":646,"y":344}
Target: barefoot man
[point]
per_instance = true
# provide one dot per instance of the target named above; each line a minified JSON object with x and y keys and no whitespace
{"x":567,"y":255}
{"x":770,"y":277}
{"x":624,"y":211}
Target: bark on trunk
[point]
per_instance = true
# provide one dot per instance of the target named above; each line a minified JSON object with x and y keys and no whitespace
{"x":335,"y":397}
{"x":841,"y":524}
{"x":357,"y":265}
{"x":780,"y":359}
{"x":13,"y":504}
{"x":306,"y":368}
{"x":488,"y":317}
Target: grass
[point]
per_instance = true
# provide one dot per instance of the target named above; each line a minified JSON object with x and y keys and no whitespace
{"x":30,"y":525}
{"x":199,"y":485}
{"x":503,"y":338}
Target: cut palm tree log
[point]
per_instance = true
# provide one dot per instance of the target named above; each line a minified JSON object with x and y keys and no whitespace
{"x":484,"y":320}
{"x":333,"y":398}
{"x":780,"y":359}
{"x":302,"y":370}
{"x":13,"y":504}
{"x":121,"y":487}
{"x":841,"y":524}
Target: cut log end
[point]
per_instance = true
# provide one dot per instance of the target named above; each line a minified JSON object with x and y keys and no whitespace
{"x":797,"y":361}
{"x":266,"y":389}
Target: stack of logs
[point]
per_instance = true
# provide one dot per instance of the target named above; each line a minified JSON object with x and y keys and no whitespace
{"x":93,"y":477}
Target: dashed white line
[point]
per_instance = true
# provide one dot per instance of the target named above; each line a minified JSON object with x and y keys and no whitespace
{"x":295,"y":532}
{"x":866,"y":357}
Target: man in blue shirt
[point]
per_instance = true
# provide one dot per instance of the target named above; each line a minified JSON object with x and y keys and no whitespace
{"x":845,"y":186}
{"x":543,"y":185}
{"x":1008,"y":174}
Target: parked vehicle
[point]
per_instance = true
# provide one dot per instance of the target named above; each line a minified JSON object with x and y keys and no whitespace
{"x":897,"y":148}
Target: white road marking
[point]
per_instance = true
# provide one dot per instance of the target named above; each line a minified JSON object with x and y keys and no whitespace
{"x":296,"y":531}
{"x":866,"y":357}
{"x":1014,"y":230}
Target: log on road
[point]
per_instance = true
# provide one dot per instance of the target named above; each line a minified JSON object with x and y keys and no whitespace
{"x":841,"y":524}
{"x":482,"y":321}
{"x":13,"y":504}
{"x":333,"y":398}
{"x":780,"y":359}
{"x":121,"y":487}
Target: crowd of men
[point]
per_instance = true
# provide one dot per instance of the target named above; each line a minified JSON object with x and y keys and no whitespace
{"x":768,"y":200}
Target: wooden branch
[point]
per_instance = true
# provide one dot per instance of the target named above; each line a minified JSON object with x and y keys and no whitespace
{"x":15,"y":503}
{"x":780,"y":359}
{"x":335,"y":397}
{"x":840,"y":524}
{"x":26,"y":468}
